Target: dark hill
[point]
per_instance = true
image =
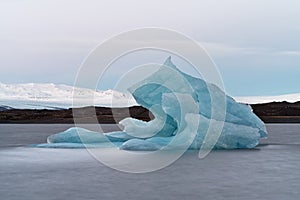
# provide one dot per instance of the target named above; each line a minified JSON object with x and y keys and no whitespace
{"x":278,"y":112}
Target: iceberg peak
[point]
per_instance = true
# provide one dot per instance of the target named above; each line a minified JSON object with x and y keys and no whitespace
{"x":168,"y":62}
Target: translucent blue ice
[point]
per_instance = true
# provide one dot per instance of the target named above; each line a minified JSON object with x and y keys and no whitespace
{"x":181,"y":112}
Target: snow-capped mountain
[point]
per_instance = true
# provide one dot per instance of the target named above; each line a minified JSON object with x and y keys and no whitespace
{"x":267,"y":99}
{"x":52,"y":96}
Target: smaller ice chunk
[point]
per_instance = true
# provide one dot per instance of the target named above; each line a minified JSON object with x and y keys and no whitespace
{"x":80,"y":135}
{"x":76,"y":135}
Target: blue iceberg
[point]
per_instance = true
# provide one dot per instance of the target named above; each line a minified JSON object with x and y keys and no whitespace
{"x":182,"y":107}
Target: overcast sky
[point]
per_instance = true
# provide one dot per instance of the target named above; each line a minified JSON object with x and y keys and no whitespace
{"x":255,"y":44}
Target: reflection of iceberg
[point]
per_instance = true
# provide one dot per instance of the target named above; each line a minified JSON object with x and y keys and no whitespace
{"x":175,"y":116}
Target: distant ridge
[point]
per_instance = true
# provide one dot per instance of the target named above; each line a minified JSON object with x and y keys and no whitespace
{"x":278,"y":112}
{"x":57,"y":96}
{"x":3,"y":108}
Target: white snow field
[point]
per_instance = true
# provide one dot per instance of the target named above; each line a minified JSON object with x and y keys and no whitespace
{"x":52,"y":96}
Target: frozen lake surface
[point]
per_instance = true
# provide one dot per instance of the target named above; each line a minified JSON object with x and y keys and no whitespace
{"x":271,"y":171}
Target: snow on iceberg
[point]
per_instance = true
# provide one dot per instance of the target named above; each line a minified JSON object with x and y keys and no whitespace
{"x":181,"y":113}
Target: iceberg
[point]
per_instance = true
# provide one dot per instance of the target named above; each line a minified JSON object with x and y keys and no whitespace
{"x":182,"y":107}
